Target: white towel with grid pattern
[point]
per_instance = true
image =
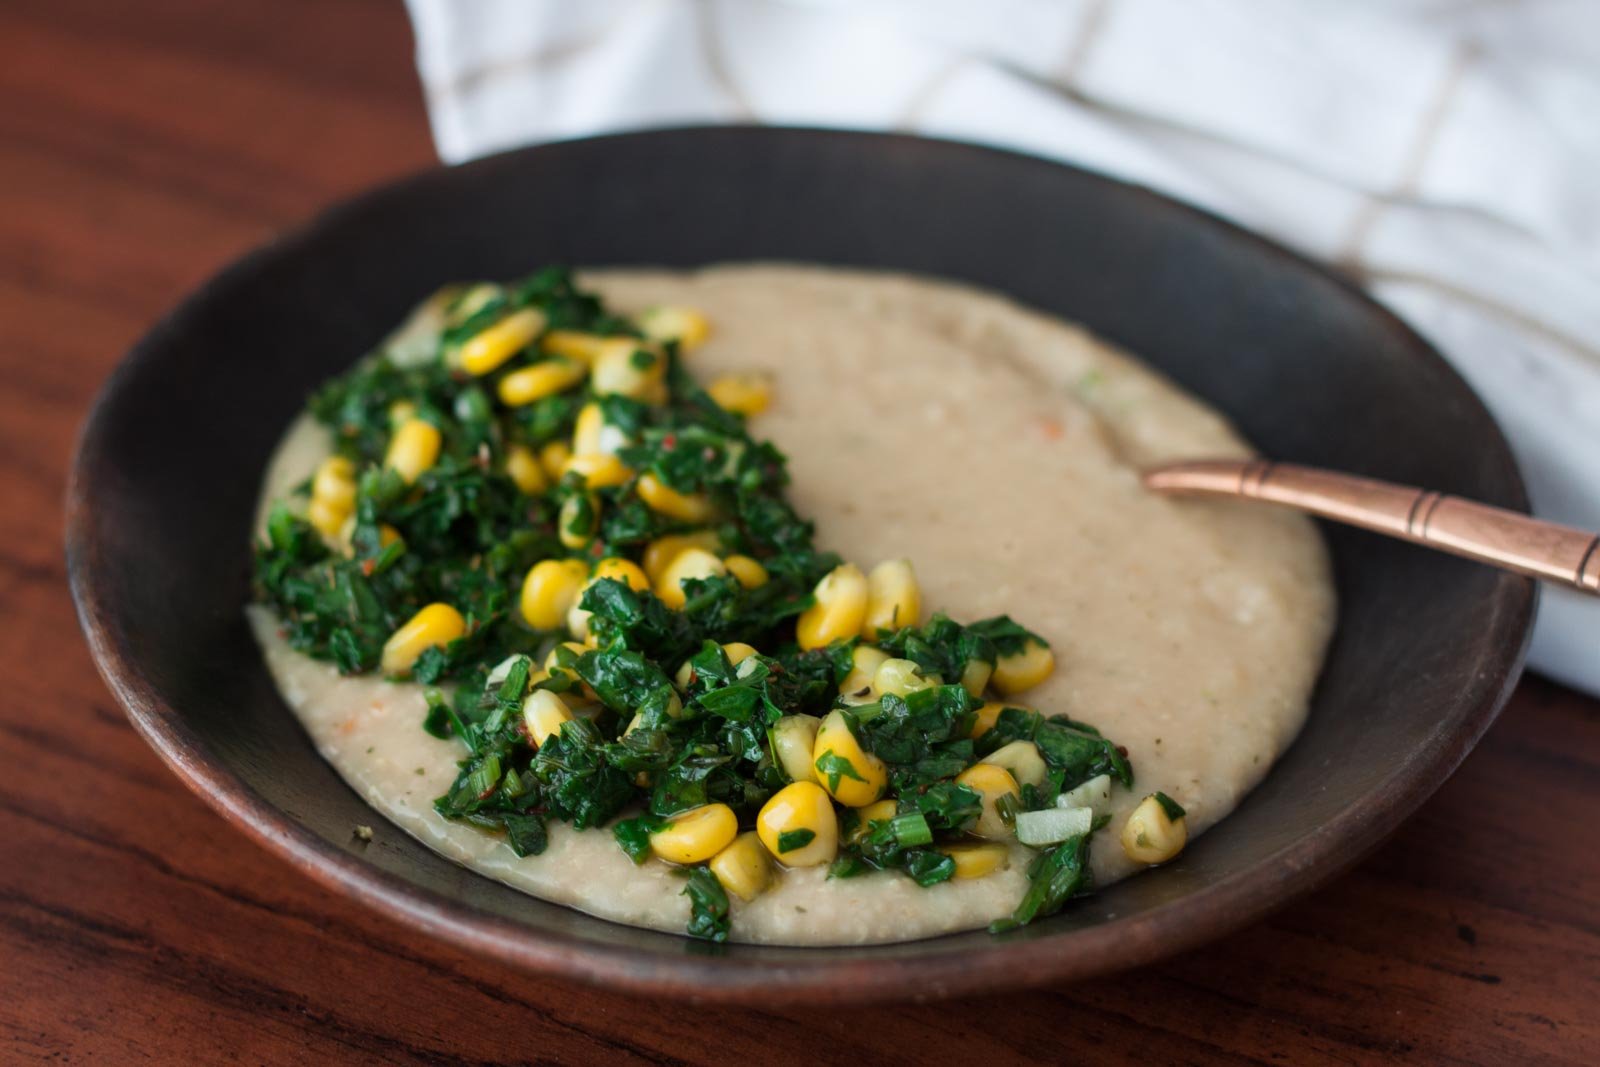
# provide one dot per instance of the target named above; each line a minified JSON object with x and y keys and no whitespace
{"x":1444,"y":152}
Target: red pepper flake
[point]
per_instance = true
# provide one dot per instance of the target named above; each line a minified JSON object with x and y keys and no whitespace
{"x":669,"y":442}
{"x":1051,"y":430}
{"x":368,"y":566}
{"x":597,"y":550}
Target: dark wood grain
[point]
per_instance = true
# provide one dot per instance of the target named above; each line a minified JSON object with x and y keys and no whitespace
{"x":142,"y":146}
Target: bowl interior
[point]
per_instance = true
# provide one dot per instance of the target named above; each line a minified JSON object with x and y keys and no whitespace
{"x":1311,"y":371}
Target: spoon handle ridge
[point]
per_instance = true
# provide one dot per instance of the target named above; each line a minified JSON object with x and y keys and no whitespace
{"x":1491,"y":535}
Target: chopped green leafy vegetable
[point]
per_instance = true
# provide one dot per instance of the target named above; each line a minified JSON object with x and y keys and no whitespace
{"x":664,"y":699}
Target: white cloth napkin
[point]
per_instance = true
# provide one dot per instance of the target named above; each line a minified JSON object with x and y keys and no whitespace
{"x":1444,"y":152}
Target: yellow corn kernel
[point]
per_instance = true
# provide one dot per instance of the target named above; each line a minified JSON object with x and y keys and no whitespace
{"x":627,"y":367}
{"x":1021,"y":760}
{"x":1023,"y":670}
{"x":794,"y":737}
{"x":840,"y":606}
{"x":493,"y":346}
{"x":988,"y":715}
{"x":749,"y":571}
{"x":894,"y":600}
{"x":543,"y":712}
{"x":864,"y":663}
{"x":902,"y":677}
{"x":744,"y":868}
{"x":796,"y":807}
{"x":975,"y":677}
{"x":400,"y":411}
{"x":976,"y":860}
{"x":1152,"y":836}
{"x":991,"y":783}
{"x":688,"y":327}
{"x":433,"y":627}
{"x":664,"y":550}
{"x":325,"y":517}
{"x":599,"y":470}
{"x":663,"y":499}
{"x":578,"y":520}
{"x":696,"y":835}
{"x":413,"y":448}
{"x":621,"y":570}
{"x":877,"y":811}
{"x":335,"y":483}
{"x":549,"y":590}
{"x":737,"y":652}
{"x":527,"y":384}
{"x":524,"y":469}
{"x":573,"y":345}
{"x":552,"y":659}
{"x":837,"y":749}
{"x":592,"y":433}
{"x":690,"y":563}
{"x":553,"y":458}
{"x":387,"y":535}
{"x":742,"y":394}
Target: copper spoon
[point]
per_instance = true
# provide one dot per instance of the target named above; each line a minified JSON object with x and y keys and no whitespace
{"x":1495,"y":536}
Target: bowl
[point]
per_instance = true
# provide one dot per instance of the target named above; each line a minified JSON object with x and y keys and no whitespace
{"x":164,"y":484}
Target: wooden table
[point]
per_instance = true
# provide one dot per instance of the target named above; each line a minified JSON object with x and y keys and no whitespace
{"x":141,"y":147}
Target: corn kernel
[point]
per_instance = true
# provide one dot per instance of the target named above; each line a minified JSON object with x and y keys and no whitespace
{"x":696,"y":835}
{"x":335,"y":483}
{"x":614,"y":567}
{"x":527,"y":384}
{"x":578,"y":520}
{"x":553,"y":458}
{"x":990,"y":783}
{"x":902,"y":677}
{"x":543,"y":712}
{"x":627,"y":367}
{"x":549,"y":590}
{"x":1023,"y":670}
{"x":688,"y":327}
{"x":413,"y":448}
{"x":433,"y":627}
{"x":800,"y":806}
{"x":975,"y":677}
{"x":737,"y":652}
{"x":325,"y":517}
{"x":599,"y":470}
{"x":491,"y":347}
{"x":1152,"y":836}
{"x":976,"y":860}
{"x":793,"y":739}
{"x":664,"y":550}
{"x":665,"y":500}
{"x":856,"y":688}
{"x":840,"y":606}
{"x":688,"y":564}
{"x":592,"y":433}
{"x":894,"y":600}
{"x":749,"y":571}
{"x":854,"y":776}
{"x":574,"y":345}
{"x":744,"y":868}
{"x":524,"y":469}
{"x":988,"y":715}
{"x":877,"y":811}
{"x":1021,"y":760}
{"x":552,"y":659}
{"x":742,"y":394}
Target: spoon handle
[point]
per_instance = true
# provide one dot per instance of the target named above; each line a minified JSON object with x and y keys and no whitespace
{"x":1487,"y":534}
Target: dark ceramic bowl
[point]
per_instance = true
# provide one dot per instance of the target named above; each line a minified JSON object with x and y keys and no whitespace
{"x":164,"y":486}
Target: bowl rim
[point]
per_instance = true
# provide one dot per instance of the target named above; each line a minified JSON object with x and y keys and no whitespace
{"x":1220,"y":908}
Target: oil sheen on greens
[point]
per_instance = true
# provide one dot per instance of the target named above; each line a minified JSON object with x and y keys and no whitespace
{"x":468,"y":537}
